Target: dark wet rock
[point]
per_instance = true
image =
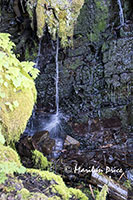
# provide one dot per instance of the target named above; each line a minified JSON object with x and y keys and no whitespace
{"x":40,"y":141}
{"x":113,"y":122}
{"x":24,"y":147}
{"x":94,"y":125}
{"x":80,"y":128}
{"x":43,"y":142}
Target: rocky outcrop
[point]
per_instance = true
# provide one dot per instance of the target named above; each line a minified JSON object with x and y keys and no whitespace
{"x":59,"y":16}
{"x":100,"y":59}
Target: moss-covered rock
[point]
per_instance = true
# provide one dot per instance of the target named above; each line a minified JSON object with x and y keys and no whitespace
{"x":60,"y":17}
{"x":17,"y":91}
{"x":101,"y":20}
{"x":40,"y":162}
{"x":58,"y":187}
{"x":8,"y":154}
{"x":9,"y":162}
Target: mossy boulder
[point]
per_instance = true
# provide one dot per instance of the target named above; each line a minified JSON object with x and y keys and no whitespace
{"x":59,"y":15}
{"x":17,"y":91}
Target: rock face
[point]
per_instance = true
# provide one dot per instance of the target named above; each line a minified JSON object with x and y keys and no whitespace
{"x":95,"y":76}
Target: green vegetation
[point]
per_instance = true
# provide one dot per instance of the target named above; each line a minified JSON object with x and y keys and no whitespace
{"x":102,"y":194}
{"x":40,"y":162}
{"x":17,"y":91}
{"x":9,"y":162}
{"x":128,"y":184}
{"x":100,"y":20}
{"x":2,"y":139}
{"x":58,"y":186}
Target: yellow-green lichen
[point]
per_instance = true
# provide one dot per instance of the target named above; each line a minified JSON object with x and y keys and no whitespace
{"x":40,"y":162}
{"x":17,"y":91}
{"x":60,"y":17}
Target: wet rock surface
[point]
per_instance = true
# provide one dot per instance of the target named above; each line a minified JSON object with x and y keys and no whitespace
{"x":95,"y":77}
{"x":39,"y":141}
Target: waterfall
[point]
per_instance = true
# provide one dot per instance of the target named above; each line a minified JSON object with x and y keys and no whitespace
{"x":52,"y":126}
{"x":57,"y":78}
{"x":39,"y":53}
{"x":121,"y":13}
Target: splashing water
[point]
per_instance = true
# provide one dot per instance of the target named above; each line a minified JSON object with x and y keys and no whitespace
{"x":121,"y":13}
{"x":55,"y":119}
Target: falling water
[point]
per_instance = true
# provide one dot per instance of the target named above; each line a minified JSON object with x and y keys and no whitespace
{"x":57,"y":78}
{"x":55,"y":121}
{"x":121,"y":13}
{"x":38,"y":55}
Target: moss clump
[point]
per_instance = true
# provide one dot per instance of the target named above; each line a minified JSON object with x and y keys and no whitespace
{"x":17,"y":91}
{"x":40,"y":162}
{"x":60,"y":17}
{"x":25,"y":194}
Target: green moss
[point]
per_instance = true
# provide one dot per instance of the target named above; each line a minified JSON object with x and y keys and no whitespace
{"x":78,"y":194}
{"x":31,"y":53}
{"x":2,"y":139}
{"x":128,"y":184}
{"x":58,"y":187}
{"x":100,"y":20}
{"x":9,"y":162}
{"x":54,"y":198}
{"x":40,"y":162}
{"x":8,"y":154}
{"x":17,"y":91}
{"x":60,"y":17}
{"x":25,"y":193}
{"x":103,"y":193}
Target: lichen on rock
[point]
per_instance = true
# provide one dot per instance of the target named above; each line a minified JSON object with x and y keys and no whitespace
{"x":59,"y":16}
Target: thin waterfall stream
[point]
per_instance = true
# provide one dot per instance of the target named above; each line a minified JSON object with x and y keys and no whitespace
{"x":50,"y":122}
{"x":57,"y":79}
{"x":38,"y":55}
{"x":121,"y":13}
{"x":55,"y":121}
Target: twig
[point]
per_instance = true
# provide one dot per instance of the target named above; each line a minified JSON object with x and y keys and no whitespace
{"x":92,"y":191}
